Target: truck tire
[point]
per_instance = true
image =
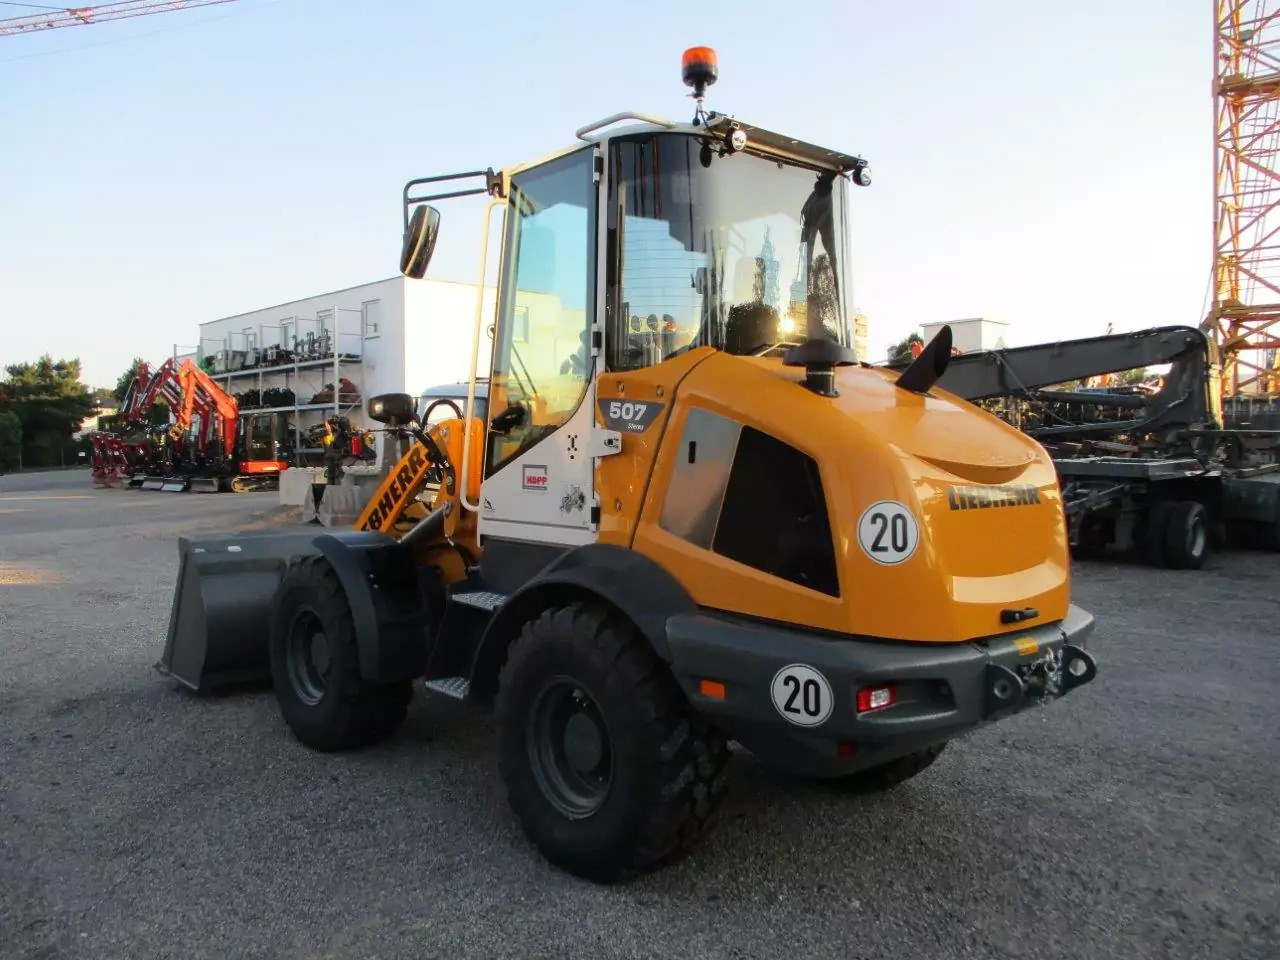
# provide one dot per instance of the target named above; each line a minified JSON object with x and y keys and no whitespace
{"x":608,"y":769}
{"x":886,"y":776}
{"x":1186,"y":539}
{"x":315,"y":666}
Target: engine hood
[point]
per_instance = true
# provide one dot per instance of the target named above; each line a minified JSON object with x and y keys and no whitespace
{"x":940,"y":428}
{"x":979,"y":528}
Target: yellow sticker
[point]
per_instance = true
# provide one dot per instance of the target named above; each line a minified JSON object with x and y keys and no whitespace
{"x":1026,"y":645}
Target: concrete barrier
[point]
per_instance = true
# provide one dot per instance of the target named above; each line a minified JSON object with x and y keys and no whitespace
{"x":339,"y":506}
{"x":342,"y":505}
{"x":295,"y":485}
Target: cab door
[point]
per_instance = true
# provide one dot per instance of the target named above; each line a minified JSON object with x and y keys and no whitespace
{"x":538,"y":477}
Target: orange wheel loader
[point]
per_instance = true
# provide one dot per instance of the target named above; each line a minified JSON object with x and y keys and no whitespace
{"x":662,"y":538}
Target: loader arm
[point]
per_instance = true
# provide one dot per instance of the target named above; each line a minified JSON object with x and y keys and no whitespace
{"x":389,"y":509}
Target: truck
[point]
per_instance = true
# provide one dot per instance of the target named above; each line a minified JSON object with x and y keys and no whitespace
{"x":1155,"y":470}
{"x":663,"y":538}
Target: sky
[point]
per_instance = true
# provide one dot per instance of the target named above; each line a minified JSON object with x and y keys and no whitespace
{"x":1044,"y":164}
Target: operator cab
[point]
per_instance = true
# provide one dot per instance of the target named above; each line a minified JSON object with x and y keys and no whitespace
{"x":648,"y":243}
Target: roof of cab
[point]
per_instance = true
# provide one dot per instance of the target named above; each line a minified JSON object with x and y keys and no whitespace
{"x":722,"y":124}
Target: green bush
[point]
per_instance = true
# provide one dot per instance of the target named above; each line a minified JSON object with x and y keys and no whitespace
{"x":10,"y":440}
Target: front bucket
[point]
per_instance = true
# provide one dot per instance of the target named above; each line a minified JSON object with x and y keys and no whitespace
{"x":153,"y":483}
{"x":205,"y":485}
{"x":175,"y":485}
{"x":219,"y":623}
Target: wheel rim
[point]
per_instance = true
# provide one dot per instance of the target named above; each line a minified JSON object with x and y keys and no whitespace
{"x":569,"y":749}
{"x":309,"y":658}
{"x":1196,"y":537}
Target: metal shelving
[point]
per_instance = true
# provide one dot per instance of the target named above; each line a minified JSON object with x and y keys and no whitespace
{"x":295,"y":334}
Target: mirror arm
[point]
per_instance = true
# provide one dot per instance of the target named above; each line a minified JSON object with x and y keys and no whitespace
{"x":492,"y":186}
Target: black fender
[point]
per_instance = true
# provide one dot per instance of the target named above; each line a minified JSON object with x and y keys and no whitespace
{"x":391,"y":599}
{"x":640,"y":589}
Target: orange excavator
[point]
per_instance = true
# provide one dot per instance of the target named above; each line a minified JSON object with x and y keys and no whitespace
{"x":205,"y":449}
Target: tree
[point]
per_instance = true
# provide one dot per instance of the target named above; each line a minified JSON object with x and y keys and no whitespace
{"x":1121,"y":378}
{"x":50,"y":402}
{"x":901,"y":352}
{"x":10,"y":441}
{"x":1131,"y":377}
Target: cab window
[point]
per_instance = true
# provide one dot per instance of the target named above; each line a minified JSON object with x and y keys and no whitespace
{"x":734,"y":252}
{"x":542,"y":358}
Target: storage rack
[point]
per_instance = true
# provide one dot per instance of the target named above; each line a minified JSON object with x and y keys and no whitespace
{"x":243,"y":361}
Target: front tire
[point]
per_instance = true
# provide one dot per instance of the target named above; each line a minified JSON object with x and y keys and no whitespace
{"x":607,"y":767}
{"x":315,"y":665}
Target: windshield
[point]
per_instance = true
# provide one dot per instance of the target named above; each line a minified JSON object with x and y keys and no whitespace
{"x":740,"y":252}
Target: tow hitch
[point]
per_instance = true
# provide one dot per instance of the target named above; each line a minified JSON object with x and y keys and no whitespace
{"x":1044,"y":679}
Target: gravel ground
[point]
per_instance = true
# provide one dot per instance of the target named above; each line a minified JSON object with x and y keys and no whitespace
{"x":1137,"y":818}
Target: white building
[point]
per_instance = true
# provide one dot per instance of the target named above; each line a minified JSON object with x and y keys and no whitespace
{"x":329,"y":353}
{"x":860,"y":328}
{"x":975,"y":333}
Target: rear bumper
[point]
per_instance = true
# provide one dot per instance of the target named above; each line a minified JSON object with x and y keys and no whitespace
{"x":942,"y":690}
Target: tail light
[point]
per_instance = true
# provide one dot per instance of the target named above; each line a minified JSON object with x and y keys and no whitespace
{"x":877,"y":698}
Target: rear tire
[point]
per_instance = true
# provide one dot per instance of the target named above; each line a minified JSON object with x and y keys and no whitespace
{"x":315,"y":665}
{"x":886,"y":776}
{"x":607,"y":767}
{"x":1186,"y":535}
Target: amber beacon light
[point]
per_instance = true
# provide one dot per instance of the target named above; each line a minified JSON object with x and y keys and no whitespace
{"x":698,"y":66}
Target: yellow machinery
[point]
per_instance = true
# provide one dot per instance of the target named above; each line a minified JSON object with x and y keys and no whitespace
{"x":689,"y":515}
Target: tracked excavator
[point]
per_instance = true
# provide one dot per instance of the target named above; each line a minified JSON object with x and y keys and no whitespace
{"x":663,"y":538}
{"x":209,"y":447}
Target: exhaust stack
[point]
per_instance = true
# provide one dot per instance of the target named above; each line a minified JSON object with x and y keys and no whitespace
{"x":929,"y":366}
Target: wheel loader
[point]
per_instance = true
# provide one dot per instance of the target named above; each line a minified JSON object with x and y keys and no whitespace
{"x":690,"y":517}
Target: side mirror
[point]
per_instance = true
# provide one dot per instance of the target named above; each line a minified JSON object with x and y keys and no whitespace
{"x":419,"y":242}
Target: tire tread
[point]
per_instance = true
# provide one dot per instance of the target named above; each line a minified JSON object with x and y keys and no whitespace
{"x":365,"y":712}
{"x":683,"y":781}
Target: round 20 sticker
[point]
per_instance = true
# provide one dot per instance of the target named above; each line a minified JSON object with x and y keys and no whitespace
{"x":802,"y":695}
{"x":888,"y":532}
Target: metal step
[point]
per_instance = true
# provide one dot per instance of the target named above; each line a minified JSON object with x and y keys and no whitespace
{"x":457,"y":687}
{"x":480,"y":599}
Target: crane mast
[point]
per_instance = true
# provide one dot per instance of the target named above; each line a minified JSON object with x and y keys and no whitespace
{"x":1245,"y":309}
